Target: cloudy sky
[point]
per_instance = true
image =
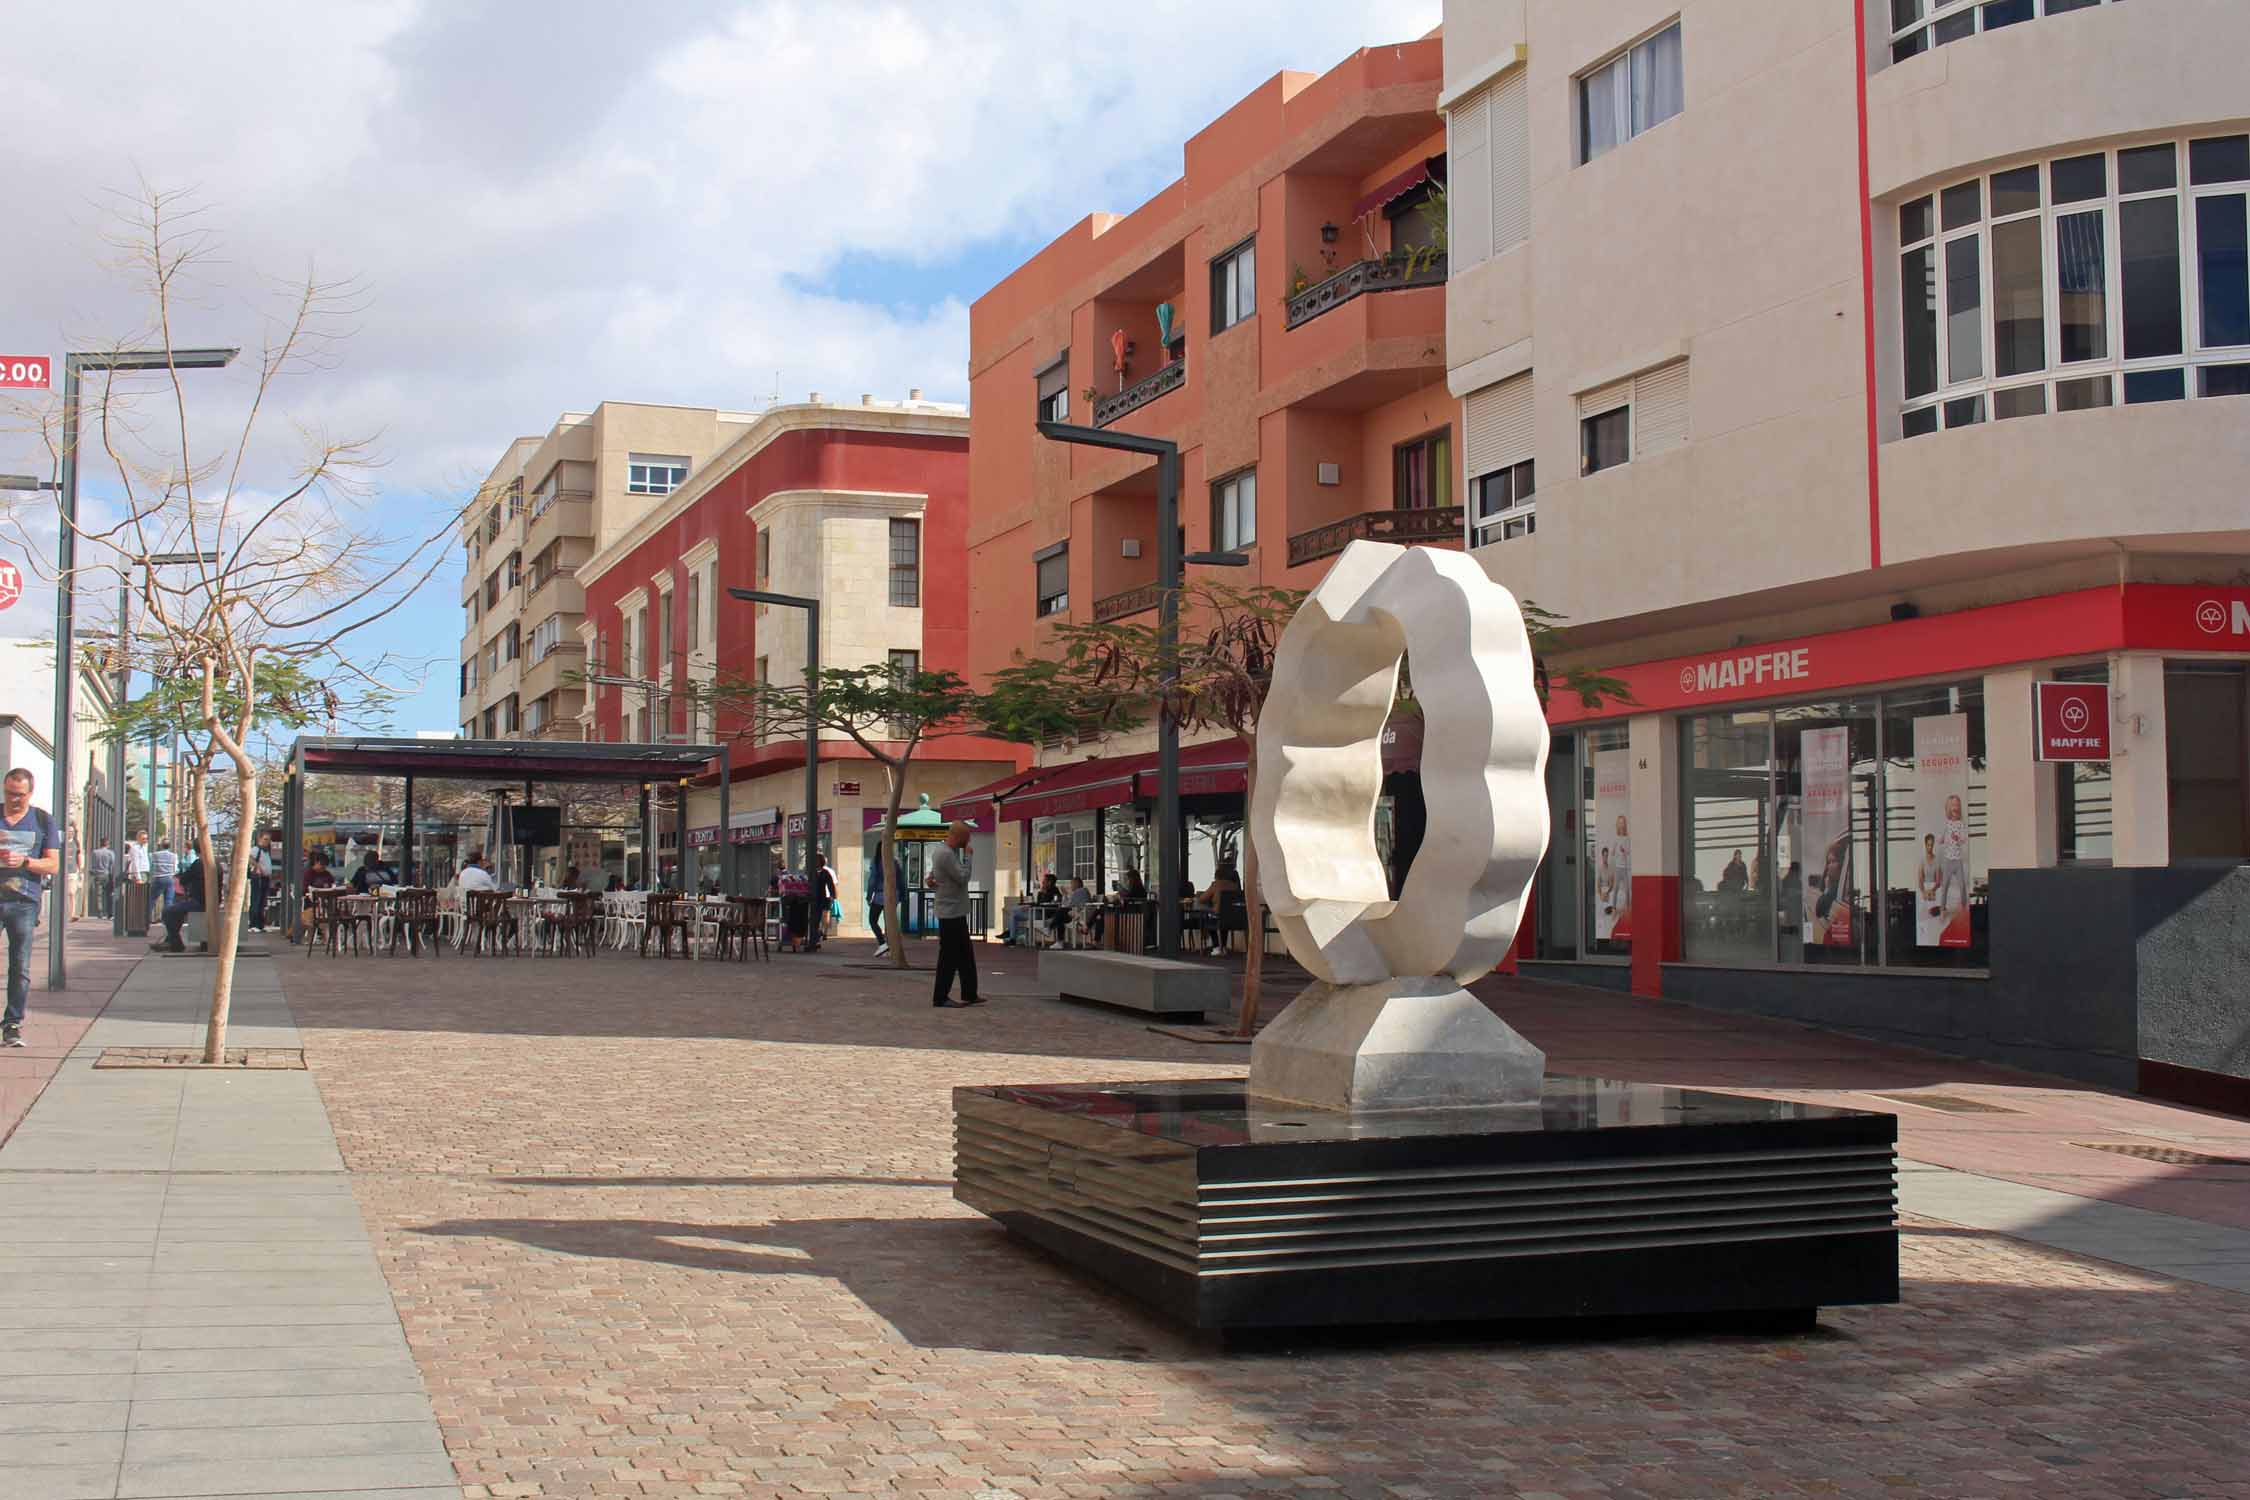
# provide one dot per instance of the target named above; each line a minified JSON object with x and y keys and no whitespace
{"x":549,"y":204}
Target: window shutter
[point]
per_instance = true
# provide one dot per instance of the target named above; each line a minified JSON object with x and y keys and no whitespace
{"x":1510,"y":161}
{"x":1469,"y":179}
{"x":1660,"y":410}
{"x":1497,"y":425}
{"x":1605,"y":398}
{"x":1054,"y":378}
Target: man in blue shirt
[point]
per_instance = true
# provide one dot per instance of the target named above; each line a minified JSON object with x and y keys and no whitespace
{"x":163,"y":868}
{"x":29,"y":847}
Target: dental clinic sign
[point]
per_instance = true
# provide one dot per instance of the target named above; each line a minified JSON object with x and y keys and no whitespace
{"x":2073,"y":720}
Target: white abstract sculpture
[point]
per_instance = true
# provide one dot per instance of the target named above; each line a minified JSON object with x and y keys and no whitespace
{"x":1388,"y":1025}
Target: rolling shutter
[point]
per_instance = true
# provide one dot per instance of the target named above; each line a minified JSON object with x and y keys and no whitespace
{"x":1660,"y":410}
{"x":1496,"y":425}
{"x":1605,"y":398}
{"x":1469,"y":179}
{"x":1510,"y":157}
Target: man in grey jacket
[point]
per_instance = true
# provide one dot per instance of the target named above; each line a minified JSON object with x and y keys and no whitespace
{"x":949,"y":885}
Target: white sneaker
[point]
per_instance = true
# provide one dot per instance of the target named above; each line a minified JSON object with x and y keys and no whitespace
{"x":881,"y":949}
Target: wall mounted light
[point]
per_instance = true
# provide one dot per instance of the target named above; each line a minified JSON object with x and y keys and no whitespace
{"x":1328,"y":234}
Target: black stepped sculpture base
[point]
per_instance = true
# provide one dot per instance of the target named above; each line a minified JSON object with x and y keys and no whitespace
{"x":1608,"y":1199}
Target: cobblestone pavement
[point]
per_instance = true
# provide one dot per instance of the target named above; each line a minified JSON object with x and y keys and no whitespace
{"x":662,"y":1229}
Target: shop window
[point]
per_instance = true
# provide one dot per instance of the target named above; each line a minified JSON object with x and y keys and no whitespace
{"x":1605,"y":794}
{"x":1934,"y":827}
{"x":1825,"y":790}
{"x":2207,"y":758}
{"x":1729,"y":890}
{"x":1555,"y":889}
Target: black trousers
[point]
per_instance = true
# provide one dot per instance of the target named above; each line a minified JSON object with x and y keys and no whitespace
{"x":954,"y":956}
{"x":875,"y":920}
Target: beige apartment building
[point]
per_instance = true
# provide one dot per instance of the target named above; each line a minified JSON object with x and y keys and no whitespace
{"x":1853,"y":376}
{"x":551,"y":503}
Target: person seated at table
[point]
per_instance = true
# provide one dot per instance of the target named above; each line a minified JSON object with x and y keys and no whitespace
{"x":187,"y":897}
{"x":616,"y":883}
{"x":1224,"y":883}
{"x":1081,"y":902}
{"x":571,"y":880}
{"x":475,"y":875}
{"x":1131,"y":887}
{"x":318,"y":877}
{"x":373,"y":874}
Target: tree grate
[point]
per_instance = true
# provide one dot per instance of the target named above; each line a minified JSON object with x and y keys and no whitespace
{"x":253,"y":1059}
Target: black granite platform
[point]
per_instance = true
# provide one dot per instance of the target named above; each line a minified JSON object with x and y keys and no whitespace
{"x":1607,"y":1199}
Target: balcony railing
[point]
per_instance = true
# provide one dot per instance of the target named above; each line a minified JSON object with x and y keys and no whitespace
{"x":534,"y":582}
{"x":1126,"y":602}
{"x":1435,"y":525}
{"x":1389,"y":274}
{"x":1141,"y":392}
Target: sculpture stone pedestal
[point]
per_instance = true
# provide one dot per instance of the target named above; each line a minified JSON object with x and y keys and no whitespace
{"x":1400,"y":1044}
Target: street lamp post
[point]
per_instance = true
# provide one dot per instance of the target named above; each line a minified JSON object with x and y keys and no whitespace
{"x":66,"y":561}
{"x":1171,"y":843}
{"x":811,"y":607}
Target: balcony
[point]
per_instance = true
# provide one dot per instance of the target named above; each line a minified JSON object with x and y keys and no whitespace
{"x":1433,"y":526}
{"x":561,"y":667}
{"x":1390,"y":274}
{"x":1140,"y":393}
{"x":558,"y":729}
{"x":570,"y":599}
{"x":569,"y":514}
{"x":1127,"y":602}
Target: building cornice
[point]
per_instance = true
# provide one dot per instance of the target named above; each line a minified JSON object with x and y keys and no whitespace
{"x":865,"y":502}
{"x":1483,"y":73}
{"x":705,"y":551}
{"x":916,"y":419}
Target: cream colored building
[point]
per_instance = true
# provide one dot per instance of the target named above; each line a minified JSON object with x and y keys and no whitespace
{"x":549,"y":504}
{"x":1841,"y":373}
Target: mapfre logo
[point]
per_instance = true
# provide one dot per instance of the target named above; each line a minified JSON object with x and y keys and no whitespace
{"x":1751,"y":669}
{"x":2216,"y":617}
{"x":2075,"y":718}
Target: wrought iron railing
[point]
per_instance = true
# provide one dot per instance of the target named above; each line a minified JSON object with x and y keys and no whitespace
{"x":1433,"y":526}
{"x":1168,"y":378}
{"x":1390,"y":274}
{"x":1126,"y":602}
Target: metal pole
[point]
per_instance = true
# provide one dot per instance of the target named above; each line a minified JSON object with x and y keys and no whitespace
{"x":406,"y":845}
{"x":117,"y":755}
{"x":1171,"y":853}
{"x":648,"y":841}
{"x":812,"y":742}
{"x":66,"y":559}
{"x":726,"y":821}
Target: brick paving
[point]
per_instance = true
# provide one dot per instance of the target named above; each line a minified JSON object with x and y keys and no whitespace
{"x":661,"y":1229}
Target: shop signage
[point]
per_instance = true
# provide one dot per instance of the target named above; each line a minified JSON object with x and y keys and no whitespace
{"x":11,"y":583}
{"x":25,"y":372}
{"x":1826,"y":819}
{"x":847,"y":788}
{"x":699,"y":838}
{"x":1613,"y":846}
{"x":871,"y":821}
{"x":2073,"y":720}
{"x":1941,"y":825}
{"x":1747,"y":669}
{"x":797,"y":822}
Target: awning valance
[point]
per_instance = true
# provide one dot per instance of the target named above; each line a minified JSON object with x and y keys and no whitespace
{"x":1397,"y":187}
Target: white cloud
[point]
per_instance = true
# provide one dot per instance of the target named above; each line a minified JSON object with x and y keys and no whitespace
{"x":552,"y":205}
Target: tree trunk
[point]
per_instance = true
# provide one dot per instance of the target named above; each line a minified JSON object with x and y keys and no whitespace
{"x":1253,"y":902}
{"x":226,"y":926}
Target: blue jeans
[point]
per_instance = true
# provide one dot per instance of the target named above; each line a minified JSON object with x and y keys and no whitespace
{"x":20,"y":918}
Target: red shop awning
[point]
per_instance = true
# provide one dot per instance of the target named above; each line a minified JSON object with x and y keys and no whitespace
{"x":976,"y":802}
{"x":1212,"y":768}
{"x":1104,"y":781}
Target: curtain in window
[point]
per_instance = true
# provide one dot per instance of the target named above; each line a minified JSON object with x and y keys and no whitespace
{"x":1605,"y":110}
{"x":1657,"y":94}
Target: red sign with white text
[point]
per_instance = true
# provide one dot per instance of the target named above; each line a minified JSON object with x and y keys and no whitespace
{"x":25,"y":372}
{"x":11,"y":583}
{"x":2073,"y":720}
{"x":2140,"y":616}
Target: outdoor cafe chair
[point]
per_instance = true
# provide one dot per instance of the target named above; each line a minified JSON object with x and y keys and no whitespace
{"x":320,"y":918}
{"x":414,"y":916}
{"x":354,"y":920}
{"x":668,"y":912}
{"x":576,"y":927}
{"x":742,"y":927}
{"x":488,"y":921}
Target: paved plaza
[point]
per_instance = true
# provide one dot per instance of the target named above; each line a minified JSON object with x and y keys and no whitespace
{"x":621,"y":1228}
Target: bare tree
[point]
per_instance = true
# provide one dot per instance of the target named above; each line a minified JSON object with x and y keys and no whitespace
{"x":284,"y":561}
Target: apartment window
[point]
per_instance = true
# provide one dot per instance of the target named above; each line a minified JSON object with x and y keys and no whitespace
{"x":468,"y":677}
{"x":1054,"y":391}
{"x":536,"y":715}
{"x":1917,"y":26}
{"x":906,"y":563}
{"x":905,"y":666}
{"x":695,"y":610}
{"x":492,"y":589}
{"x":1234,"y":511}
{"x":2054,"y":286}
{"x":545,"y":637}
{"x":1051,"y":582}
{"x":654,"y":474}
{"x":1506,"y":506}
{"x":1632,"y":92}
{"x":492,"y":722}
{"x":664,"y":637}
{"x":515,"y":569}
{"x":1605,"y":439}
{"x":510,"y":718}
{"x":544,"y":497}
{"x":1488,"y":179}
{"x":641,"y":664}
{"x":511,"y":642}
{"x":765,"y":554}
{"x":1422,"y":472}
{"x":1497,"y":446}
{"x":1234,"y":286}
{"x":515,"y":497}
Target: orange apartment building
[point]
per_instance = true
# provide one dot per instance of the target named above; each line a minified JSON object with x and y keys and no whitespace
{"x":1266,"y":312}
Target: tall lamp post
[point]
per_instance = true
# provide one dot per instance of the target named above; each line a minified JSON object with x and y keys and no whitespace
{"x":1171,"y":844}
{"x":66,"y":560}
{"x":811,"y":607}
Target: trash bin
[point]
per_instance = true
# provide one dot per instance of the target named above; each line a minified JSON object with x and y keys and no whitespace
{"x":134,"y":893}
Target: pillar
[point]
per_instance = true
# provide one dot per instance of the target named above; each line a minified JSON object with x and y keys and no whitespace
{"x":2140,"y":805}
{"x":2019,"y":791}
{"x":1653,"y":742}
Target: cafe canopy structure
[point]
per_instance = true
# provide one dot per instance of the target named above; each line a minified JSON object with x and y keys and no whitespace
{"x":528,"y":761}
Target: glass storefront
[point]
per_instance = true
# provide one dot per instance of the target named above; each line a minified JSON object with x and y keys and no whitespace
{"x":1606,"y":847}
{"x":2207,"y":759}
{"x":2082,"y":795}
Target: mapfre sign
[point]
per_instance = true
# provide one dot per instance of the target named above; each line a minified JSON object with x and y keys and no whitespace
{"x":2073,"y":719}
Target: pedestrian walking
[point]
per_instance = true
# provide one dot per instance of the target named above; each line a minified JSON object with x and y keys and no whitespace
{"x":261,"y":881}
{"x":101,"y":874}
{"x":875,"y":899}
{"x":29,"y":846}
{"x":949,"y":887}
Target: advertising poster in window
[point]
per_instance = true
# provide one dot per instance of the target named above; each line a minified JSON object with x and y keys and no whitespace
{"x":1941,"y":803}
{"x":1828,"y":894}
{"x":1613,"y":847}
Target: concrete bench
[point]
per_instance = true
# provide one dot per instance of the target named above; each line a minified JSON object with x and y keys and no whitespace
{"x":1154,"y":986}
